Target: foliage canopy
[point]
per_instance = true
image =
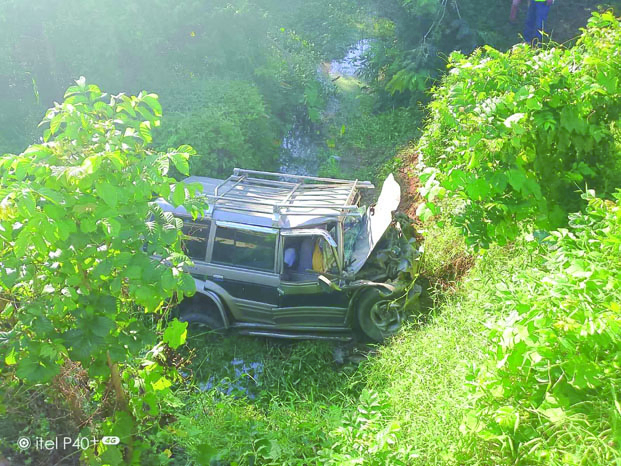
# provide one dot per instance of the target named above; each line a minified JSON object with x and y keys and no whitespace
{"x":518,"y":135}
{"x":549,"y":391}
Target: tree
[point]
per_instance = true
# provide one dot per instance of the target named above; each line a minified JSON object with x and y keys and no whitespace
{"x":78,"y":231}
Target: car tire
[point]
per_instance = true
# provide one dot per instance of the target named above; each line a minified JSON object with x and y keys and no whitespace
{"x":201,"y":311}
{"x":375,"y":318}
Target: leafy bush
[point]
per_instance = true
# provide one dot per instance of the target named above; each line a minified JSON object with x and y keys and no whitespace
{"x":549,"y":393}
{"x":329,"y":27}
{"x":414,"y":36}
{"x":517,"y":135}
{"x":78,"y":228}
{"x":167,"y":46}
{"x":226,"y":122}
{"x":370,"y":140}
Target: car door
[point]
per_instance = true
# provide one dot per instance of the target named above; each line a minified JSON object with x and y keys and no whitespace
{"x":303,"y":301}
{"x":242,"y":263}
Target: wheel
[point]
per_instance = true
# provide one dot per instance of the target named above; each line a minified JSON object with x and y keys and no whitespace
{"x":377,"y":316}
{"x":201,"y":311}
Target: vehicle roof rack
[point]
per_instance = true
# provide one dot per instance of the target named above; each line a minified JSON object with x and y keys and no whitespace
{"x":279,"y":194}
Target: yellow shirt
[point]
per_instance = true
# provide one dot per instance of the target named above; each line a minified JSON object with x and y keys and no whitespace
{"x":318,"y":262}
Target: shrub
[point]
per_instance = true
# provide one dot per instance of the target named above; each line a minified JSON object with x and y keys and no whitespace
{"x":78,"y":227}
{"x":549,"y":394}
{"x":518,"y":135}
{"x":226,"y":122}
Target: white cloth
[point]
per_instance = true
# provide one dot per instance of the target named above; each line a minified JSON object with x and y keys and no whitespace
{"x":289,"y":257}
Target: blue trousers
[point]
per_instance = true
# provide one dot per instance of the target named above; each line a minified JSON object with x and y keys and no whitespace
{"x":535,"y":20}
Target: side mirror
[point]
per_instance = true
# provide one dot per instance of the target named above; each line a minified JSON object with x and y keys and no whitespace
{"x":328,"y":284}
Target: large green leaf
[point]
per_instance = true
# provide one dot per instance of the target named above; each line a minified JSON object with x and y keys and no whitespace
{"x":175,"y":333}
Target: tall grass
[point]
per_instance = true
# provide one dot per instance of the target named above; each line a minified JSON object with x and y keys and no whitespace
{"x":423,"y":371}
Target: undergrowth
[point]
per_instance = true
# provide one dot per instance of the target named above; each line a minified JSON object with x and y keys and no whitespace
{"x":517,"y":364}
{"x":548,"y":390}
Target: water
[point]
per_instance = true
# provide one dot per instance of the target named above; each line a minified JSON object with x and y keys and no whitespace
{"x":302,"y":145}
{"x":300,"y":149}
{"x":351,"y":63}
{"x":242,"y":379}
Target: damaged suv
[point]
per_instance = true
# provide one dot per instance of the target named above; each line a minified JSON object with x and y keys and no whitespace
{"x":297,"y":257}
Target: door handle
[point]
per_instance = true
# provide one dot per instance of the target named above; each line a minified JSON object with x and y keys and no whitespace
{"x":218,"y":277}
{"x":280,"y":291}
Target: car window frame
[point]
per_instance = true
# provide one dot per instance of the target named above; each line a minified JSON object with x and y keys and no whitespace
{"x":243,"y":227}
{"x":208,"y":241}
{"x":320,"y":232}
{"x":314,"y":232}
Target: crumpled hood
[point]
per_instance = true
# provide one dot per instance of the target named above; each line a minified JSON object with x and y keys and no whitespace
{"x":376,"y":221}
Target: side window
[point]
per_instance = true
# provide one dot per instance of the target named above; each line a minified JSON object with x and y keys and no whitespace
{"x":305,"y":256}
{"x":243,"y":248}
{"x":195,"y":242}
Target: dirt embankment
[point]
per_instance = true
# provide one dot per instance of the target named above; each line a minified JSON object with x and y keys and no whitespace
{"x":407,"y":177}
{"x":451,"y":260}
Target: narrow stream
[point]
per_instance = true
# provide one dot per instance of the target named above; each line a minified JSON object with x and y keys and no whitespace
{"x":303,"y":143}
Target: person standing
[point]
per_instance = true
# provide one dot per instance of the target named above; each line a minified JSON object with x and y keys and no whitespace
{"x":535,"y":20}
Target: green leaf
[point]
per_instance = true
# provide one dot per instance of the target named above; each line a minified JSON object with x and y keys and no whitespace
{"x":27,"y":204}
{"x":22,"y":243}
{"x":112,"y":227}
{"x":145,"y":131}
{"x":556,"y":415}
{"x":168,"y":280}
{"x":478,"y":189}
{"x":516,"y":179}
{"x":175,"y":333}
{"x":188,"y":286}
{"x":110,"y":455}
{"x":152,"y":101}
{"x":207,"y":452}
{"x":55,"y":123}
{"x":108,"y":193}
{"x":426,"y":210}
{"x":21,"y":167}
{"x":178,"y":195}
{"x":180,"y":160}
{"x":35,"y":370}
{"x":101,"y":326}
{"x":10,"y":358}
{"x":162,"y":383}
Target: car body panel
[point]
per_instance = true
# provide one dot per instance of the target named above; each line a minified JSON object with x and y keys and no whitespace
{"x":376,"y":221}
{"x":253,"y":294}
{"x":308,"y":303}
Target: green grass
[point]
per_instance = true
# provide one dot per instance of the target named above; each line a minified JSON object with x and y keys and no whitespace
{"x":417,"y":399}
{"x":423,"y":371}
{"x":412,"y":400}
{"x":255,"y":401}
{"x":262,"y":400}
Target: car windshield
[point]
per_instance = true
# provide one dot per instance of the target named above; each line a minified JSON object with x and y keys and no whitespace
{"x":354,"y":226}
